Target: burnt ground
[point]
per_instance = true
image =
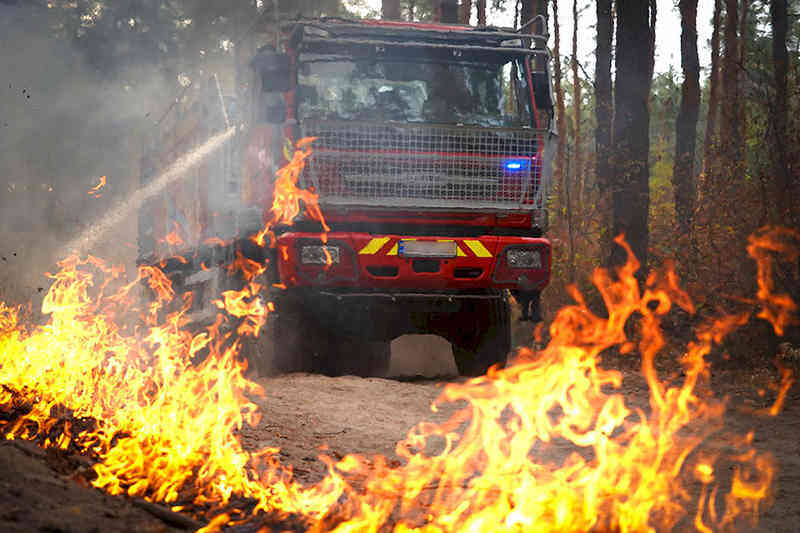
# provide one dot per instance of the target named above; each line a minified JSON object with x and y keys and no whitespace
{"x":41,"y":491}
{"x":47,"y":492}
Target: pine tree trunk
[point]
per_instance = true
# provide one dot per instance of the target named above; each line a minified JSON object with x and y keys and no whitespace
{"x":631,"y":189}
{"x":604,"y":113}
{"x":713,"y":92}
{"x":573,"y":180}
{"x":561,"y":123}
{"x":779,"y":114}
{"x":465,"y":11}
{"x":683,"y":177}
{"x":731,"y":128}
{"x":744,"y":11}
{"x":578,"y":187}
{"x":652,"y":37}
{"x":530,"y":9}
{"x":481,"y":12}
{"x":569,"y":207}
{"x":602,"y":93}
{"x":525,"y":15}
{"x":390,"y":9}
{"x":448,"y":11}
{"x":742,"y":59}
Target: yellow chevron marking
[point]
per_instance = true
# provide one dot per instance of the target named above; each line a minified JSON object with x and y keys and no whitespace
{"x":374,"y":245}
{"x":477,"y":248}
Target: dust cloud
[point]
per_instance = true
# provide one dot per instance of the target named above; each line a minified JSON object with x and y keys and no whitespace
{"x":63,"y":124}
{"x":422,"y":355}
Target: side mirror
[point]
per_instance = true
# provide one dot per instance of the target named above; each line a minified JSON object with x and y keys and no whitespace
{"x":273,"y":69}
{"x":541,"y":88}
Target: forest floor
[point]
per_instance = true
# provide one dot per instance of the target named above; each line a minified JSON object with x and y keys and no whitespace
{"x":43,"y":491}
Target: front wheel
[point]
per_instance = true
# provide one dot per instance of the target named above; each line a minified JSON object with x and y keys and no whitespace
{"x":298,"y":342}
{"x":308,"y":341}
{"x":483,"y":337}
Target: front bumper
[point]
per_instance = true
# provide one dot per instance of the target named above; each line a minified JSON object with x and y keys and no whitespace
{"x":370,"y":261}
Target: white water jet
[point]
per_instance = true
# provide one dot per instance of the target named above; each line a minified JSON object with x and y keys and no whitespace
{"x":127,"y":207}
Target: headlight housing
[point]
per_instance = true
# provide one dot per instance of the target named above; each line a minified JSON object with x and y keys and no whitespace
{"x":319,"y":255}
{"x":524,"y":258}
{"x":524,"y":265}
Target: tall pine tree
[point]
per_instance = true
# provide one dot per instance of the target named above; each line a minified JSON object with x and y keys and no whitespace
{"x":630,"y":188}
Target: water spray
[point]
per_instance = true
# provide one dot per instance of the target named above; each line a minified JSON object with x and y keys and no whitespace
{"x":127,"y":207}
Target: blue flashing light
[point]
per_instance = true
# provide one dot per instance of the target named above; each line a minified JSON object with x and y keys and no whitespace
{"x":515,"y":165}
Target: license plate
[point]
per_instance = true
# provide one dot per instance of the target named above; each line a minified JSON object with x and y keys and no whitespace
{"x":427,"y":248}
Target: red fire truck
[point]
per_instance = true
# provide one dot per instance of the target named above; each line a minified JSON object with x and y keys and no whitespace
{"x":431,"y":162}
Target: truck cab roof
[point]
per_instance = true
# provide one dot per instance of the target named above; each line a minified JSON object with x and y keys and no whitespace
{"x":379,"y":32}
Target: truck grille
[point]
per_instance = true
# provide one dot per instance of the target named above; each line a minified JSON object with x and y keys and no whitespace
{"x":410,"y":165}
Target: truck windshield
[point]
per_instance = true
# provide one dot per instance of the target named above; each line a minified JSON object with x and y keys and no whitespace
{"x":490,"y":94}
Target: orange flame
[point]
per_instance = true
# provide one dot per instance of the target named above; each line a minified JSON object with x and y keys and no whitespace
{"x":95,"y":191}
{"x":173,"y":238}
{"x":287,"y":196}
{"x":249,"y":268}
{"x":548,"y":443}
{"x":245,"y":304}
{"x":764,"y":246}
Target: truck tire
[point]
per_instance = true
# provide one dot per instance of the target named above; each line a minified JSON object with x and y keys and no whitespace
{"x":302,"y":345}
{"x":297,"y":343}
{"x":306,"y":337}
{"x":484,"y":336}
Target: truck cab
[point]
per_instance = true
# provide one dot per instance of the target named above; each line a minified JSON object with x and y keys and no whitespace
{"x":431,"y":161}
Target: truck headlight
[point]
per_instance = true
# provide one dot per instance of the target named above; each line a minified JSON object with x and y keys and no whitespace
{"x":524,"y":258}
{"x":319,"y":255}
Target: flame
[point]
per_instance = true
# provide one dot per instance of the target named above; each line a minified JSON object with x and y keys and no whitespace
{"x":135,"y":386}
{"x":777,"y":308}
{"x":547,"y":444}
{"x":250,"y":269}
{"x":550,"y":444}
{"x":95,"y":191}
{"x":287,"y":196}
{"x":173,"y":238}
{"x":215,"y":241}
{"x":245,"y":304}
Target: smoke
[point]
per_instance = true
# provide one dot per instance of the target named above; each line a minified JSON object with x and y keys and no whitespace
{"x":63,"y":124}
